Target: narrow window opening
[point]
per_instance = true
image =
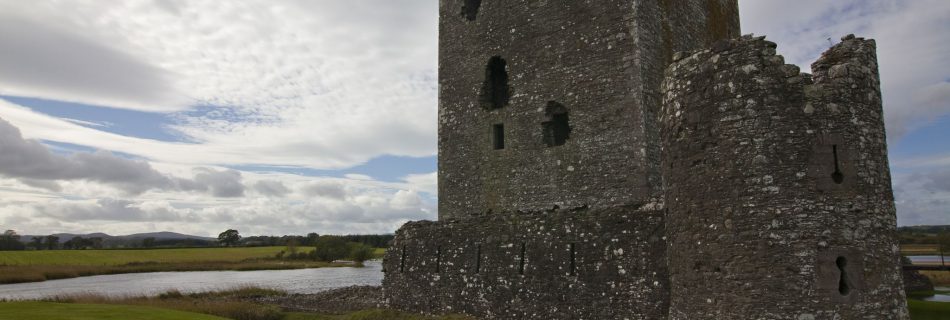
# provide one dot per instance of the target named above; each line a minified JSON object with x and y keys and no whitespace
{"x":557,"y":130}
{"x":521,"y":261}
{"x":478,"y":259}
{"x":438,"y":259}
{"x":498,"y":136}
{"x":573,"y":267}
{"x":837,"y":176}
{"x":495,"y":91}
{"x":402,"y":259}
{"x":470,"y":9}
{"x":843,"y":287}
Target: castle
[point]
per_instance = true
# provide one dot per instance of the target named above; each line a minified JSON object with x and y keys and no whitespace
{"x":638,"y":159}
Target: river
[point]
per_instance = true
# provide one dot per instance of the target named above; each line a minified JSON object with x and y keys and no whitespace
{"x":153,"y":283}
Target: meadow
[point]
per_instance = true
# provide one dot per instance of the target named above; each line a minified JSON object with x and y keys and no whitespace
{"x":927,"y":310}
{"x":237,"y":304}
{"x":73,"y":311}
{"x":125,"y":257}
{"x":246,"y":304}
{"x":919,"y":249}
{"x":33,"y":266}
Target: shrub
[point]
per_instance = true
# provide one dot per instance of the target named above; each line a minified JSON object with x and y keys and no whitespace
{"x":360,"y":252}
{"x":330,"y":248}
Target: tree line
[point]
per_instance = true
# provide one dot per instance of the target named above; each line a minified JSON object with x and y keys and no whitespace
{"x":11,"y":240}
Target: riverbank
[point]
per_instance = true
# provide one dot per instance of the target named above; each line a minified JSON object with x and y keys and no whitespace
{"x":36,"y":266}
{"x":38,"y":273}
{"x":928,"y":310}
{"x":357,"y":302}
{"x":349,"y":303}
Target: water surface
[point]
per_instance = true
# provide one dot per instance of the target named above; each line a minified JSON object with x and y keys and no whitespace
{"x":153,"y":283}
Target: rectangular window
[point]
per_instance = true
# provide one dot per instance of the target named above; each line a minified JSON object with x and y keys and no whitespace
{"x":478,"y":259}
{"x":498,"y":136}
{"x":573,"y":266}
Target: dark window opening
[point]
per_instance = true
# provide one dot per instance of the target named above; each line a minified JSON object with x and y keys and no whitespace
{"x":470,"y":9}
{"x":843,"y":287}
{"x":438,"y":259}
{"x":573,"y":267}
{"x":402,"y":260}
{"x":837,"y":176}
{"x":498,"y":136}
{"x":478,"y":259}
{"x":495,"y":90}
{"x":558,"y":129}
{"x":521,"y":261}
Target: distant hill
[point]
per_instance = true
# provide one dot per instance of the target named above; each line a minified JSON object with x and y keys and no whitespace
{"x":166,"y":235}
{"x":163,"y":235}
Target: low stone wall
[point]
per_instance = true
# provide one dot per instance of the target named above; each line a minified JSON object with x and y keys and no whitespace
{"x":336,"y":301}
{"x":567,"y":264}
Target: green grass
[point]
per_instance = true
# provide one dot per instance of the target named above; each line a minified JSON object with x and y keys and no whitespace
{"x":939,"y":278}
{"x":237,"y":304}
{"x":928,"y":310}
{"x":32,"y":266}
{"x":370,"y":315}
{"x":123,"y":257}
{"x":919,"y":249}
{"x":76,"y":311}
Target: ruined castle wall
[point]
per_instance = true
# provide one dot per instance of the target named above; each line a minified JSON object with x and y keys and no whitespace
{"x":665,"y":27}
{"x":596,"y":264}
{"x":589,"y":58}
{"x":778,"y":194}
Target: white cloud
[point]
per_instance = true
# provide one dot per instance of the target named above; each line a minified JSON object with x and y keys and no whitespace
{"x":922,"y":198}
{"x":427,"y":182}
{"x":356,"y":176}
{"x":42,"y":60}
{"x":315,"y":84}
{"x":911,"y":51}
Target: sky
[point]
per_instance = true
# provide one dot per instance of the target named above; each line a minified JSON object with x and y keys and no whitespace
{"x":289,"y":117}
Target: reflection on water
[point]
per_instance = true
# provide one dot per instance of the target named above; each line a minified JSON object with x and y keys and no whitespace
{"x":133,"y":284}
{"x":938,"y":297}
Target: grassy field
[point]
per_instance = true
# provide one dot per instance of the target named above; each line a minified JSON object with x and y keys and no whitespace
{"x":76,"y":311}
{"x":370,"y":315}
{"x":928,"y":310}
{"x":919,"y":249}
{"x":939,"y":278}
{"x":238,"y":304}
{"x":124,"y":257}
{"x":33,"y":266}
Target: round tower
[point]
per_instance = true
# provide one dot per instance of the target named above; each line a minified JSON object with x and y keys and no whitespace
{"x":779,"y":202}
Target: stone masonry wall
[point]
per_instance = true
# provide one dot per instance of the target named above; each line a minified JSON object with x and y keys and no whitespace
{"x":597,"y":62}
{"x":779,"y":203}
{"x":587,"y":264}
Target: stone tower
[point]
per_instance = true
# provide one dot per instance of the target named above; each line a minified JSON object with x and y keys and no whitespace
{"x":778,"y":193}
{"x":553,"y":103}
{"x":588,"y":172}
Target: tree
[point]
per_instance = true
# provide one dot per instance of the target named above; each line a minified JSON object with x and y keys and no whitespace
{"x":148,"y":242}
{"x":360,"y":252}
{"x":229,"y":237}
{"x":292,"y":246}
{"x":52,"y":242}
{"x":37,"y":243}
{"x":95,"y":243}
{"x":330,"y":248}
{"x":75,"y":243}
{"x":312,"y":239}
{"x":10,"y":240}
